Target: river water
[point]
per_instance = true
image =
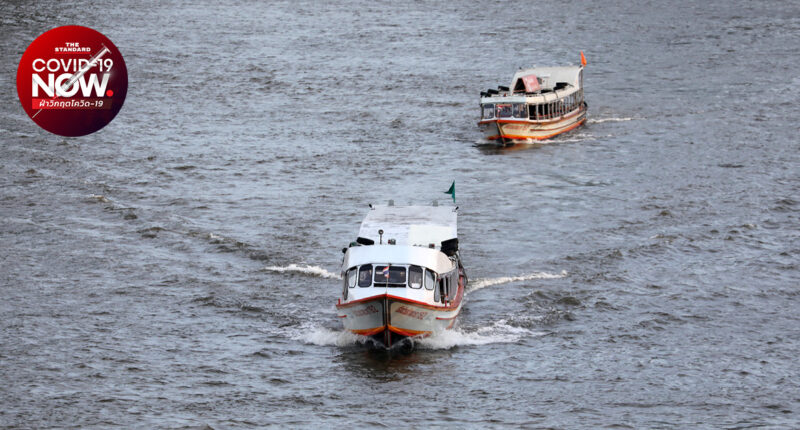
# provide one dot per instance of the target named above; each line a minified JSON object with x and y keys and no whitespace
{"x":178,"y":269}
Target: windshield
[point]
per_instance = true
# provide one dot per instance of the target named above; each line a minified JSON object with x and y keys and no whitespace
{"x":365,"y":275}
{"x":430,"y":280}
{"x":519,"y":110}
{"x":488,"y":111}
{"x":504,"y":111}
{"x":415,"y":277}
{"x":387,"y":274}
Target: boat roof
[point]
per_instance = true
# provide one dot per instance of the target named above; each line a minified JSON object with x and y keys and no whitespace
{"x":410,"y":225}
{"x":548,"y":79}
{"x":397,"y":254}
{"x":551,"y":75}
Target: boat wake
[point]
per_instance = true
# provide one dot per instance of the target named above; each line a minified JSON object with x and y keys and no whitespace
{"x":305,"y":270}
{"x":602,"y":120}
{"x":488,"y":282}
{"x":498,"y":332}
{"x":322,"y":336}
{"x":573,"y":137}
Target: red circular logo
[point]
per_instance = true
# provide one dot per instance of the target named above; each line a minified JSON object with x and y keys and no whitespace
{"x":72,"y":81}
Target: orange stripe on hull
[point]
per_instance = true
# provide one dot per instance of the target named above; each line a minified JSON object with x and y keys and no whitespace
{"x":452,"y":306}
{"x":368,"y":331}
{"x":407,"y":332}
{"x":393,"y":329}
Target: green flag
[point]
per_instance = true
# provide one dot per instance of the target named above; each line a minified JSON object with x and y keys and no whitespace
{"x":452,"y":191}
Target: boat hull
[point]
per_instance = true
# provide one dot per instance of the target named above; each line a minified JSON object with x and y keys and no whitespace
{"x":389,"y":319}
{"x":521,"y":130}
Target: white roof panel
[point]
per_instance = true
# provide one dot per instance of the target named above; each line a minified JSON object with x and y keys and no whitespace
{"x":397,"y":254}
{"x":410,"y":225}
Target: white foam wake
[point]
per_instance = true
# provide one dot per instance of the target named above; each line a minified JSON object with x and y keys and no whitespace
{"x":498,"y":332}
{"x":308,"y":270}
{"x":322,"y":336}
{"x":488,"y":282}
{"x":602,"y":120}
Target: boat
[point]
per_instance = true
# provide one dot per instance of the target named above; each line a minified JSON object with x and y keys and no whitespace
{"x":541,"y":102}
{"x":402,"y":276}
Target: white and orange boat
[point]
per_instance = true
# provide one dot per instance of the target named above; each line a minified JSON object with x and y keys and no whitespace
{"x":541,"y":102}
{"x":403,"y":275}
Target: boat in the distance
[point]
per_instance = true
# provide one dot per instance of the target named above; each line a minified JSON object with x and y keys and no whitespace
{"x":402,"y":276}
{"x":541,"y":102}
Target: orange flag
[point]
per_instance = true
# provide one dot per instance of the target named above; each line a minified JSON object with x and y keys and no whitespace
{"x":583,"y":60}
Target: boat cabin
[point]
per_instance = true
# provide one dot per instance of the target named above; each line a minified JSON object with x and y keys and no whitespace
{"x":401,"y":276}
{"x":538,"y":94}
{"x":407,"y":251}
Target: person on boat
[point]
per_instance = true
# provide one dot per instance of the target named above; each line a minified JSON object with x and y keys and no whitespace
{"x":519,"y":110}
{"x":503,"y":111}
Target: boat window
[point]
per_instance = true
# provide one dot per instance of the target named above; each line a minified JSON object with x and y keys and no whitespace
{"x":430,"y":280}
{"x":394,"y":276}
{"x":437,"y":294}
{"x":365,"y":276}
{"x":519,"y":110}
{"x":488,"y":111}
{"x":415,"y":277}
{"x":351,"y":277}
{"x":504,"y":111}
